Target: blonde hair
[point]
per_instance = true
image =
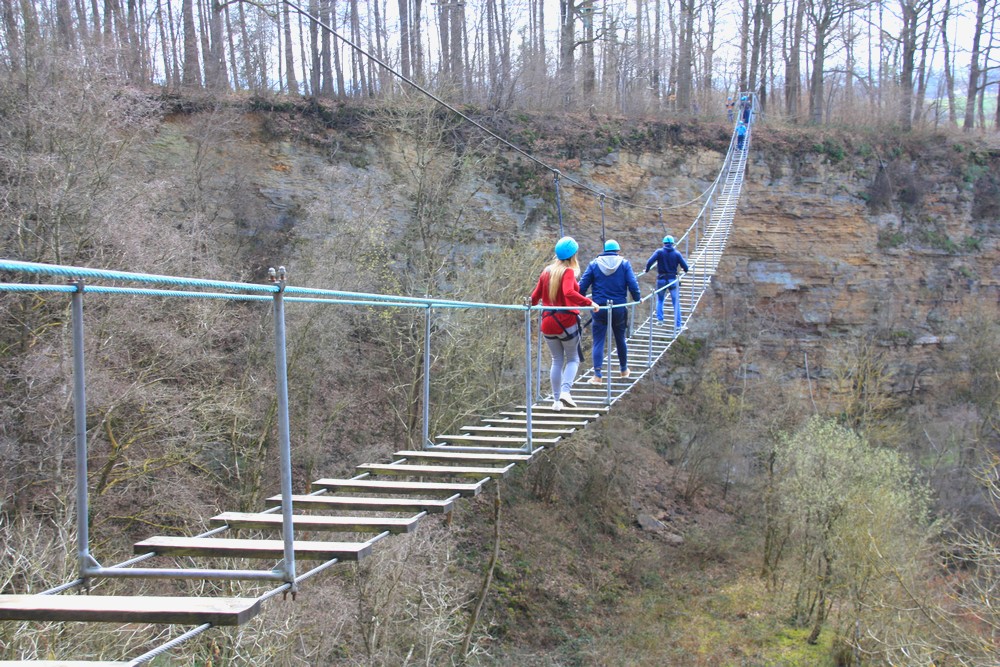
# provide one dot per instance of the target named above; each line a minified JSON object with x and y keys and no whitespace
{"x":556,"y":270}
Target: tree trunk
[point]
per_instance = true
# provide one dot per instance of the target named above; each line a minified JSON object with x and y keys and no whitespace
{"x":192,"y":65}
{"x":794,"y":101}
{"x":921,"y":95}
{"x":949,"y":77}
{"x":816,"y":99}
{"x":656,"y":80}
{"x":338,"y":65}
{"x":567,"y":50}
{"x":315,"y":66}
{"x":12,"y":35}
{"x":908,"y":44}
{"x":165,"y":50}
{"x":684,"y":53}
{"x":64,"y":25}
{"x":217,"y":48}
{"x":254,"y":82}
{"x":403,"y":7}
{"x":589,"y":65}
{"x":230,"y":39}
{"x":358,"y":65}
{"x":970,"y":97}
{"x":744,"y":44}
{"x":326,"y":49}
{"x":765,"y":50}
{"x":457,"y":20}
{"x":290,"y":83}
{"x":416,"y":42}
{"x":709,"y":55}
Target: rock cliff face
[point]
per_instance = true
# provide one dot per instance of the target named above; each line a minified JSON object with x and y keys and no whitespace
{"x":836,"y":240}
{"x":828,"y":251}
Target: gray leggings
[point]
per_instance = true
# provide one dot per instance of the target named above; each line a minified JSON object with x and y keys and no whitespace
{"x":565,"y":362}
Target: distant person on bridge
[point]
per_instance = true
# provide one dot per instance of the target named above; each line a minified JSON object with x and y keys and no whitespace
{"x":741,"y":135}
{"x":557,"y":286}
{"x":730,"y":107}
{"x":667,"y":259}
{"x":611,"y":279}
{"x":745,"y":107}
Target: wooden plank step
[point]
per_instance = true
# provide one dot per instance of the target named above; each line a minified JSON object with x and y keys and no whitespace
{"x":518,"y":429}
{"x":463,"y":456}
{"x":393,"y":486}
{"x":343,"y":524}
{"x":510,"y":440}
{"x":218,"y":547}
{"x":128,"y":609}
{"x":366,"y":504}
{"x":565,"y":409}
{"x":537,"y":422}
{"x":539,"y":413}
{"x":445,"y":471}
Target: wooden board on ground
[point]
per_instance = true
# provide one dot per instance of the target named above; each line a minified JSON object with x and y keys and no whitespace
{"x":128,"y":609}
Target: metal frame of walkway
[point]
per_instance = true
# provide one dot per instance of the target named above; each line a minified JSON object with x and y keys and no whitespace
{"x":414,"y":484}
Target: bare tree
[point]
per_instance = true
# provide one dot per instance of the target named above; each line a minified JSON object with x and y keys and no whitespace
{"x":824,"y":16}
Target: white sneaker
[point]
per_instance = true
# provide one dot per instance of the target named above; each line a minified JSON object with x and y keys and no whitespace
{"x":596,"y":380}
{"x":557,"y":405}
{"x":625,"y":373}
{"x":567,"y":400}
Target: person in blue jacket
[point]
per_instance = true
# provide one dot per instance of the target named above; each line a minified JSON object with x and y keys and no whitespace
{"x":610,"y":278}
{"x":667,"y":259}
{"x":741,"y":136}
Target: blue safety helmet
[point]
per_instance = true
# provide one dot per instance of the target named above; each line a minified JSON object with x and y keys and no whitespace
{"x":743,"y":99}
{"x":668,"y":239}
{"x":610,"y":245}
{"x":566,"y":247}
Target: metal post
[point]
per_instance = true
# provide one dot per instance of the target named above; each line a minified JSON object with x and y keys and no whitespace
{"x":559,"y":205}
{"x":527,"y":375}
{"x":284,"y":430}
{"x":604,"y":236}
{"x":83,"y":557}
{"x":538,"y":383}
{"x":427,"y":378}
{"x":607,"y":350}
{"x":652,"y":319}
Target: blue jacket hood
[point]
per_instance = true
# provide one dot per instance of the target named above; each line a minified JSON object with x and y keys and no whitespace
{"x":611,"y":278}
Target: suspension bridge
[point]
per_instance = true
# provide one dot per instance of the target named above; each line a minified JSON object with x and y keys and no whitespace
{"x":384,"y":498}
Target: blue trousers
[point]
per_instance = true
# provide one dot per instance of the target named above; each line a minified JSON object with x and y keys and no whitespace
{"x":619,"y":327}
{"x":674,"y":300}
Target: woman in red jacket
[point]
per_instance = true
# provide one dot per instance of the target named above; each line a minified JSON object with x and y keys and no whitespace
{"x":557,"y":286}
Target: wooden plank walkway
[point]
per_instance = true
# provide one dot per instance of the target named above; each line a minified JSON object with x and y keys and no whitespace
{"x":416,"y":483}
